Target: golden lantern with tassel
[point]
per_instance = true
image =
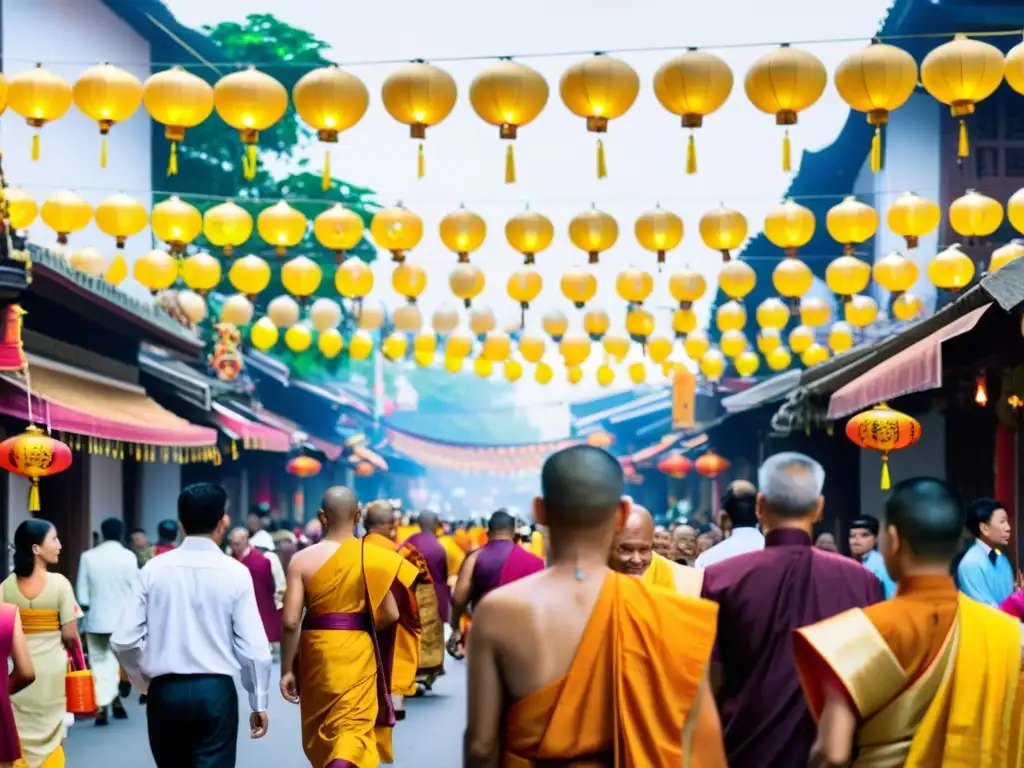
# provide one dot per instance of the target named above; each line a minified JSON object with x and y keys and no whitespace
{"x":1004,"y":255}
{"x":466,"y":282}
{"x":176,"y":222}
{"x":617,"y":346}
{"x":639,"y":324}
{"x":120,"y":217}
{"x":40,"y":97}
{"x":354,"y":279}
{"x":851,"y":222}
{"x":237,"y":310}
{"x":33,"y":454}
{"x":594,"y":232}
{"x":792,"y":278}
{"x":459,"y":343}
{"x":532,"y":347}
{"x":91,"y":262}
{"x":779,"y":359}
{"x":684,"y":321}
{"x":696,"y":345}
{"x":543,"y":373}
{"x":692,"y":85}
{"x":961,"y":73}
{"x":815,"y":312}
{"x":1014,"y":210}
{"x":424,"y":342}
{"x":330,"y":342}
{"x":407,"y":318}
{"x":249,"y":275}
{"x":814,"y":354}
{"x":885,"y":430}
{"x":118,"y":271}
{"x":789,"y":226}
{"x":330,"y":100}
{"x":912,"y":217}
{"x":906,"y":307}
{"x":974,"y":215}
{"x":338,"y":229}
{"x":876,"y":80}
{"x":395,"y":346}
{"x":637,"y":372}
{"x":156,"y":270}
{"x":201,"y":272}
{"x":281,"y":226}
{"x":596,"y":323}
{"x":227,"y":226}
{"x":108,"y":95}
{"x":301,"y":277}
{"x":731,"y":343}
{"x":178,"y":100}
{"x":847,"y":276}
{"x":737,"y":279}
{"x":801,"y":338}
{"x":524,"y":285}
{"x":463,"y":232}
{"x":513,"y":370}
{"x":482,"y":321}
{"x":360,"y":346}
{"x":263,"y":334}
{"x":785,"y":82}
{"x":605,"y":375}
{"x":746,"y":363}
{"x":397,"y":230}
{"x":22,"y":208}
{"x":951,"y":269}
{"x":599,"y":89}
{"x":250,"y":101}
{"x":575,"y":348}
{"x":659,"y":231}
{"x":283,"y":311}
{"x":687,"y":287}
{"x":574,"y":374}
{"x":860,"y":311}
{"x":65,"y":212}
{"x":445,"y":319}
{"x":840,"y":337}
{"x":769,"y":339}
{"x":529,"y":233}
{"x":453,"y":364}
{"x":634,"y":285}
{"x":723,"y":230}
{"x":555,"y":324}
{"x":1013,"y":68}
{"x":298,"y":338}
{"x":712,"y":365}
{"x":508,"y":94}
{"x":409,"y":280}
{"x":895,"y":272}
{"x":419,"y":95}
{"x":772,"y":313}
{"x":496,"y":347}
{"x":658,"y":349}
{"x":731,"y":316}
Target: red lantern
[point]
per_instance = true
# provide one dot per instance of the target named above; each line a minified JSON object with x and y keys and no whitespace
{"x":364,"y":469}
{"x":600,"y":439}
{"x":712,"y":465}
{"x":883,"y":429}
{"x":675,"y":465}
{"x":303,"y":466}
{"x":34,"y":454}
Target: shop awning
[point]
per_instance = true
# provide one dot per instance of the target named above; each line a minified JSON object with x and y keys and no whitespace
{"x":916,"y":368}
{"x":252,"y":434}
{"x":68,"y":399}
{"x":332,"y":451}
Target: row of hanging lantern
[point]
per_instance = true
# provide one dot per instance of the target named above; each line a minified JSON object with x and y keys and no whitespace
{"x":509,"y":94}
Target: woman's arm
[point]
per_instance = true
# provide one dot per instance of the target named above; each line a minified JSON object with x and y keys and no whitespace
{"x":24,"y":673}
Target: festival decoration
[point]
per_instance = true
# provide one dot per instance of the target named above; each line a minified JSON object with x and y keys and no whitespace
{"x":324,"y":313}
{"x":633,"y":285}
{"x":444,"y":320}
{"x":674,"y":464}
{"x":772,"y":313}
{"x":360,"y":346}
{"x":249,"y":275}
{"x":637,"y":372}
{"x":596,"y":323}
{"x":407,"y":318}
{"x":696,"y":345}
{"x":118,"y":271}
{"x":737,"y":279}
{"x":912,"y":217}
{"x":578,"y":286}
{"x":483,"y":368}
{"x":792,"y":278}
{"x":303,"y":466}
{"x":283,"y":311}
{"x":895,"y":272}
{"x":496,"y":347}
{"x":508,"y":94}
{"x":513,"y":370}
{"x":200,"y":272}
{"x":90,"y":261}
{"x":22,"y":208}
{"x":1014,"y":210}
{"x":686,"y":287}
{"x":1004,"y":255}
{"x":731,"y":316}
{"x":364,"y":469}
{"x":330,"y":342}
{"x":65,"y":212}
{"x":951,"y":269}
{"x":281,"y":226}
{"x":723,"y":230}
{"x":395,"y":346}
{"x":876,"y":80}
{"x":639,"y":324}
{"x":226,"y":359}
{"x":907,"y":306}
{"x":555,"y":324}
{"x":885,"y":430}
{"x":301,"y":277}
{"x":801,"y":338}
{"x":466,"y":282}
{"x":263,"y":334}
{"x":482,"y":321}
{"x":684,"y":321}
{"x":353,"y":279}
{"x":974,"y":215}
{"x":453,"y":364}
{"x":779,"y":358}
{"x":574,"y":348}
{"x":731,"y":343}
{"x":860,"y":311}
{"x":463,"y":232}
{"x":33,"y":454}
{"x":40,"y":97}
{"x":532,"y":347}
{"x":1013,"y":68}
{"x":178,"y":100}
{"x":524,"y":285}
{"x":120,"y":217}
{"x":617,"y":346}
{"x":815,"y":312}
{"x":176,"y":222}
{"x":236,"y":310}
{"x":851,"y":222}
{"x":847,"y":276}
{"x":605,"y":375}
{"x":594,"y":232}
{"x":424,"y":342}
{"x":659,"y":231}
{"x":371,"y":317}
{"x":784,"y":82}
{"x":397,"y":230}
{"x":768,"y":339}
{"x":840,"y":337}
{"x":712,"y":365}
{"x":814,"y":354}
{"x":600,"y":439}
{"x":409,"y":280}
{"x":338,"y":229}
{"x":227,"y":226}
{"x":108,"y":95}
{"x":298,"y":338}
{"x":746,"y":363}
{"x":658,"y":349}
{"x":600,"y":89}
{"x":192,"y":306}
{"x":419,"y":95}
{"x":250,"y":101}
{"x":789,"y":226}
{"x":156,"y":270}
{"x":529,"y":233}
{"x":961,"y":73}
{"x":711,"y":465}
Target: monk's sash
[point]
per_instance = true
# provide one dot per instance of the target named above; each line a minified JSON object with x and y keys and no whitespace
{"x":487,"y":571}
{"x":437,"y":564}
{"x":681,"y":579}
{"x":36,"y":621}
{"x":520,"y":564}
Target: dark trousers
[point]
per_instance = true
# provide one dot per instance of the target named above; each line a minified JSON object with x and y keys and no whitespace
{"x":193,"y":721}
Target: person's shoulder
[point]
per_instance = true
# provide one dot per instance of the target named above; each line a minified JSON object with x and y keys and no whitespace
{"x":59,"y":580}
{"x":728,"y":570}
{"x":850,"y":568}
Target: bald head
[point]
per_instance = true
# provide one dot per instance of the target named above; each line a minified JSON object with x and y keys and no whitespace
{"x":430,"y":522}
{"x":380,"y":518}
{"x":581,"y":487}
{"x":634,"y":544}
{"x":339,"y":507}
{"x":640,"y":521}
{"x":238,"y":540}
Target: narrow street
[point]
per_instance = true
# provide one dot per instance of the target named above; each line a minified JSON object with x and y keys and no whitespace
{"x":430,"y":736}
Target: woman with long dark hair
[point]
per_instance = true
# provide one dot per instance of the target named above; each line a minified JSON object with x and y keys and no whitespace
{"x":49,"y":612}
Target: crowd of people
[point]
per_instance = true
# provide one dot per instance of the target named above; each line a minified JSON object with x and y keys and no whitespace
{"x":594,"y":637}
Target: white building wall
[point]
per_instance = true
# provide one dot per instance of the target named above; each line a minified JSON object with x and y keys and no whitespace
{"x":17,"y":503}
{"x":927,"y":457}
{"x":161,"y":484}
{"x":105,"y":490}
{"x":86,"y":32}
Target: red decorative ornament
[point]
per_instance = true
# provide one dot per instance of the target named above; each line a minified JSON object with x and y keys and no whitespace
{"x":712,"y":465}
{"x":303,"y":466}
{"x":675,"y":465}
{"x":364,"y":469}
{"x":34,"y":454}
{"x":600,"y":439}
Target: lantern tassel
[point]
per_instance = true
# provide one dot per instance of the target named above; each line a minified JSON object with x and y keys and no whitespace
{"x":885,"y":471}
{"x":876,"y":150}
{"x":249,"y":163}
{"x":691,"y":156}
{"x":963,"y":145}
{"x":172,"y":160}
{"x":36,"y":148}
{"x":33,"y":495}
{"x":421,"y":163}
{"x":510,"y":165}
{"x":787,"y":151}
{"x":103,"y":153}
{"x":602,"y":164}
{"x":325,"y":181}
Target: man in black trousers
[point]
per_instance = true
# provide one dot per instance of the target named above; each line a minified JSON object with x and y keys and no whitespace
{"x":190,"y":626}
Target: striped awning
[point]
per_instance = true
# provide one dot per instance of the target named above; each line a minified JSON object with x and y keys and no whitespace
{"x":252,"y":434}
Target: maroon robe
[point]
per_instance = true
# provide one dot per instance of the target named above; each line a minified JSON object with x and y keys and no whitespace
{"x":437,"y":564}
{"x":263,"y":584}
{"x":499,"y":562}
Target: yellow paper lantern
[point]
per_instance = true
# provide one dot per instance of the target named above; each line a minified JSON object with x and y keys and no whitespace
{"x":687,"y":287}
{"x":178,"y":100}
{"x":453,"y":364}
{"x":731,"y":316}
{"x":772,"y":313}
{"x":395,"y":346}
{"x":639,"y":323}
{"x":1015,"y":210}
{"x":747,"y":363}
{"x":851,"y":222}
{"x":1003,"y":256}
{"x":792,"y":278}
{"x":732,"y":343}
{"x":466,"y":282}
{"x":524,"y":285}
{"x":463,"y":232}
{"x":119,"y":216}
{"x":201,"y":272}
{"x":615,"y":345}
{"x":176,"y":222}
{"x":338,"y":229}
{"x":419,"y":95}
{"x":659,"y":231}
{"x":192,"y":306}
{"x":555,"y":324}
{"x":785,"y":82}
{"x":975,"y":215}
{"x":330,"y":100}
{"x":360,"y":346}
{"x":424,"y":342}
{"x":281,"y":226}
{"x":531,"y":348}
{"x":227,"y":226}
{"x":814,"y":354}
{"x":895,"y":272}
{"x":637,"y":372}
{"x":409,"y":280}
{"x":847,"y":275}
{"x":575,"y":349}
{"x":840,"y":337}
{"x":22,"y":208}
{"x":108,"y":95}
{"x":324,"y":314}
{"x":737,"y":279}
{"x":513,"y":370}
{"x":249,"y":275}
{"x":815,"y":312}
{"x":91,"y":262}
{"x":712,"y":365}
{"x":497,"y":346}
{"x":156,"y":270}
{"x":118,"y":270}
{"x":961,"y":73}
{"x":860,"y":311}
{"x":692,"y":85}
{"x":634,"y":285}
{"x":407,"y":318}
{"x":801,"y":338}
{"x":301,"y":276}
{"x":605,"y":375}
{"x":906,"y":307}
{"x":723,"y":230}
{"x":236,"y":310}
{"x":482,"y":321}
{"x":250,"y":101}
{"x":330,"y":342}
{"x":483,"y":368}
{"x":444,"y":320}
{"x":508,"y":94}
{"x":789,"y":226}
{"x":951,"y":269}
{"x":684,"y":321}
{"x":596,"y":323}
{"x":600,"y":89}
{"x":876,"y":80}
{"x":354,"y":279}
{"x":65,"y":212}
{"x":1013,"y":68}
{"x":779,"y":359}
{"x":912,"y":217}
{"x":40,"y":97}
{"x":768,"y":339}
{"x":283,"y":311}
{"x":397,"y":230}
{"x":696,"y":345}
{"x":298,"y":338}
{"x":658,"y":349}
{"x":459,"y":343}
{"x":263,"y":334}
{"x":593,"y":231}
{"x":529,"y":233}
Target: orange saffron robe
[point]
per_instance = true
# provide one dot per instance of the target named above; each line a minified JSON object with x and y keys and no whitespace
{"x":477,"y":536}
{"x":455,"y":554}
{"x":629,"y":698}
{"x":337,"y":669}
{"x":461,"y":538}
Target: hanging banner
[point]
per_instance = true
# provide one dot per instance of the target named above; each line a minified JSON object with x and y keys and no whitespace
{"x":684,"y":399}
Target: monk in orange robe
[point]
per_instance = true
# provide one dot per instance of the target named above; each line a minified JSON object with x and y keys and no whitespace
{"x":461,"y":537}
{"x":335,"y":660}
{"x":928,"y":678}
{"x":633,"y":554}
{"x":577,"y":664}
{"x":477,"y":536}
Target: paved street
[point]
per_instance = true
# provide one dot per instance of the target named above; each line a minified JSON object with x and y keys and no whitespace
{"x":430,"y":736}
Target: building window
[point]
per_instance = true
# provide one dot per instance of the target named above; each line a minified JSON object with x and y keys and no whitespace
{"x":986,"y":161}
{"x":1015,"y":162}
{"x":984,"y":124}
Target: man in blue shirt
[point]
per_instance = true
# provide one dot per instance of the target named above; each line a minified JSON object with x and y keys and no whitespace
{"x":863,"y":539}
{"x":985,"y":572}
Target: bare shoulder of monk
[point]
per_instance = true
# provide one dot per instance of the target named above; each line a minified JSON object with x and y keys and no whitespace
{"x":311,"y":559}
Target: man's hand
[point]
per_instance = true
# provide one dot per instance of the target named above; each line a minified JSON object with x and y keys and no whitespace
{"x":290,"y":687}
{"x":454,"y":645}
{"x":258,"y":724}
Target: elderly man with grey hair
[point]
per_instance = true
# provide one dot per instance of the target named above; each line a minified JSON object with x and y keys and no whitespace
{"x":763,"y":596}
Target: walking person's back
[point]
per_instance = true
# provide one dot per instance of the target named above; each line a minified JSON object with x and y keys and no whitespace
{"x":13,"y":652}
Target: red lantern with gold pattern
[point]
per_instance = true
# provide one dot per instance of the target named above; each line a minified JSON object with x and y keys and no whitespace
{"x":34,"y":454}
{"x":364,"y":469}
{"x":303,"y":466}
{"x":600,"y":439}
{"x":675,"y":465}
{"x":711,"y":465}
{"x":883,"y":429}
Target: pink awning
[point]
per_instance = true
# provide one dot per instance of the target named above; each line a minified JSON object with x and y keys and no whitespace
{"x":332,"y":451}
{"x":253,"y":434}
{"x":917,"y":368}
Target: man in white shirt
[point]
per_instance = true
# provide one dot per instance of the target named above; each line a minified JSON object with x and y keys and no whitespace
{"x":190,"y":626}
{"x":106,"y":575}
{"x":739,"y":503}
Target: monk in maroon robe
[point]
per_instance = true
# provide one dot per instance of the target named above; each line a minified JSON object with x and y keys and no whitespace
{"x":262,"y":581}
{"x":437,"y":560}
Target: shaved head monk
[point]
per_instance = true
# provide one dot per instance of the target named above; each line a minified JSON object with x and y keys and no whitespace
{"x":433,"y":598}
{"x":341,"y":681}
{"x":579,"y":664}
{"x":633,"y":554}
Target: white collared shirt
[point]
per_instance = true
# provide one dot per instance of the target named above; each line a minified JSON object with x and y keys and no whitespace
{"x":741,"y":541}
{"x":193,"y":612}
{"x":106,"y":575}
